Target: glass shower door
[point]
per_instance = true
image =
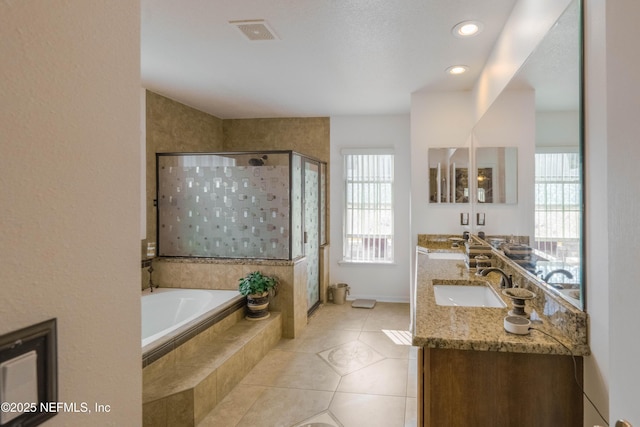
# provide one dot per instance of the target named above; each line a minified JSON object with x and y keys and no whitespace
{"x":312,"y":231}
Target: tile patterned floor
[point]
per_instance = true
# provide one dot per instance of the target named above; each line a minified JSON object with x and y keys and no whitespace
{"x":344,"y":371}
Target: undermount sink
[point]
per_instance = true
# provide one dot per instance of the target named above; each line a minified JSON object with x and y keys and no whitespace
{"x":446,"y":255}
{"x":467,"y":296}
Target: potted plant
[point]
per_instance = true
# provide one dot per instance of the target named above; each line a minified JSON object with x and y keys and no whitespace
{"x":257,"y":287}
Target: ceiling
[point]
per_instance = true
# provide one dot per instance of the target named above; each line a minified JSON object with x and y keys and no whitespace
{"x":348,"y":57}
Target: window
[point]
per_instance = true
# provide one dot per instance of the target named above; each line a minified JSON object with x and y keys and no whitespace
{"x":368,"y":207}
{"x":557,"y":211}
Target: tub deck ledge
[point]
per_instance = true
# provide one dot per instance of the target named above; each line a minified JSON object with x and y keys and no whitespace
{"x":183,"y":386}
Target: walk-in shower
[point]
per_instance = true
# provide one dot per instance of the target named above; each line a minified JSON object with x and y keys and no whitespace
{"x":246,"y":205}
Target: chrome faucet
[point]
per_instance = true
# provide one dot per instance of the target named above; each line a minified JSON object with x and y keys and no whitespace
{"x":561,"y":271}
{"x":505,"y":280}
{"x":151,"y":284}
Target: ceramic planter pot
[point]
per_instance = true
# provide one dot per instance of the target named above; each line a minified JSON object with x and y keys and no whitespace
{"x":258,"y":306}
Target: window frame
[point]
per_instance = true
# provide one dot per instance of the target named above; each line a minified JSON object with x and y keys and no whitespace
{"x":566,"y":208}
{"x":383,"y":253}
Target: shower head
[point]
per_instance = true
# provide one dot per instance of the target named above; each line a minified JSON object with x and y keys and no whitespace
{"x":258,"y":162}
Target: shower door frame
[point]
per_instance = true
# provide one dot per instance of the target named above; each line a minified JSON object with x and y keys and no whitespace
{"x":310,"y":256}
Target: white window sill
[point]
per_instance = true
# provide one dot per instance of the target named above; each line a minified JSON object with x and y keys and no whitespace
{"x":362,"y":263}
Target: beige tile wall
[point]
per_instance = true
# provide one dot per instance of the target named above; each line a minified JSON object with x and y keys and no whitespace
{"x":174,"y":127}
{"x":309,"y":136}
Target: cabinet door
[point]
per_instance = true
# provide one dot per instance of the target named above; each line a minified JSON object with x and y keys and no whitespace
{"x":490,"y":388}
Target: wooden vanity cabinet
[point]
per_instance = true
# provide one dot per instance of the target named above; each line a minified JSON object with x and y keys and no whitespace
{"x":496,"y":389}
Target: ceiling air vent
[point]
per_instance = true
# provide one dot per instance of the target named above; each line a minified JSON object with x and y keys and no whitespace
{"x":255,"y":30}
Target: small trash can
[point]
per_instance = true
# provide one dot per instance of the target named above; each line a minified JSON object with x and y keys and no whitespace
{"x":338,"y":293}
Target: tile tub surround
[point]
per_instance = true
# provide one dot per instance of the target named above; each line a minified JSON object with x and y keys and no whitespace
{"x":475,"y":328}
{"x":216,"y":273}
{"x":182,"y":387}
{"x":211,"y":325}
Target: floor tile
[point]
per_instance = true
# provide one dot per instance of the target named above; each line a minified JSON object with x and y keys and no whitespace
{"x":342,"y":371}
{"x":384,"y":345}
{"x":349,"y":357}
{"x":325,"y":419}
{"x":386,"y":377}
{"x":314,"y":342}
{"x":358,"y":410}
{"x":282,"y":407}
{"x":388,"y":318}
{"x":341,"y":318}
{"x":293,"y":370}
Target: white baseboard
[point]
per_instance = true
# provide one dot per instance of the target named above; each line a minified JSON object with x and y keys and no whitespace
{"x":379,"y":298}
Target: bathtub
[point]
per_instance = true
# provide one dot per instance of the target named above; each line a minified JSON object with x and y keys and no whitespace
{"x":171,"y":316}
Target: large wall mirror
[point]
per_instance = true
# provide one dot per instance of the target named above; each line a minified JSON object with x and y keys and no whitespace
{"x":551,"y":83}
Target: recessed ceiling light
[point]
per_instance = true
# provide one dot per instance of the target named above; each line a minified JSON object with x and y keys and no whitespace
{"x":467,"y":29}
{"x":457,"y":69}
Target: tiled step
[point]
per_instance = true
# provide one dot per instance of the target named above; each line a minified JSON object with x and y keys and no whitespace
{"x":183,"y":386}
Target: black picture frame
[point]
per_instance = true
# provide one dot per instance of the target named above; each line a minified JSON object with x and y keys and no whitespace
{"x":41,"y":338}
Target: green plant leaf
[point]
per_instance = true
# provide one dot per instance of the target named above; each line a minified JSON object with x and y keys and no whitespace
{"x":256,"y":283}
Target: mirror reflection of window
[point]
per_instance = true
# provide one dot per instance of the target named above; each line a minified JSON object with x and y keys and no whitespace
{"x":557,"y":205}
{"x":481,"y":195}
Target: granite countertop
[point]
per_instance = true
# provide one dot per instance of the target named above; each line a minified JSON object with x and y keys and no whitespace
{"x":478,"y":328}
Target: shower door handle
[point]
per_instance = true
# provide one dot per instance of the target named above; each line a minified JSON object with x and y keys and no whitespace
{"x":304,"y":237}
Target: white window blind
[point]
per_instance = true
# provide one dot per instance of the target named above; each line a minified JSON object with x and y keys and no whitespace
{"x":557,"y":205}
{"x":368,"y":212}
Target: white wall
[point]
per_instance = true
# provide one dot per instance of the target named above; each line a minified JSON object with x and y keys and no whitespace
{"x":70,"y":191}
{"x":623,"y":187}
{"x":381,"y":282}
{"x":613,"y":290}
{"x":446,"y":119}
{"x":528,"y":24}
{"x":596,"y":366}
{"x":558,"y":129}
{"x":510,"y":122}
{"x":438,"y":119}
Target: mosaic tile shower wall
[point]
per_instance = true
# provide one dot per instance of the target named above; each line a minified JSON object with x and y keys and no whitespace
{"x":224,"y":206}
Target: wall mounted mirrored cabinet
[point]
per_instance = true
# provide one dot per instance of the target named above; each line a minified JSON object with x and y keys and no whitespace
{"x":449,"y":175}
